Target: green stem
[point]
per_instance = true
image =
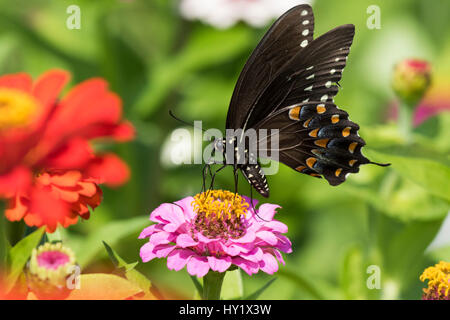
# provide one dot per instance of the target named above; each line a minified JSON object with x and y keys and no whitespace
{"x":406,"y":121}
{"x":212,"y":285}
{"x":3,"y":238}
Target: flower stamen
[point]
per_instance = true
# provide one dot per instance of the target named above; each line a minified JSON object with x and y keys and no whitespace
{"x":17,"y":108}
{"x":219,"y":214}
{"x":438,"y":281}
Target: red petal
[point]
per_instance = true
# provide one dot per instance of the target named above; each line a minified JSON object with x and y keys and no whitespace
{"x":109,"y":169}
{"x":17,"y":208}
{"x":20,"y":81}
{"x":47,"y":209}
{"x":124,"y":132}
{"x":67,"y":179}
{"x":14,"y":181}
{"x":74,"y":154}
{"x":48,"y":86}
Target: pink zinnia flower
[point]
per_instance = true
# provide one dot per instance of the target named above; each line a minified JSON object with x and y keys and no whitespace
{"x":213,"y":231}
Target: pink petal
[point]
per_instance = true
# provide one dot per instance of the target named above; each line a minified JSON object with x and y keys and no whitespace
{"x":248,"y":237}
{"x":203,"y":239}
{"x":255,"y":255}
{"x":276,"y":226}
{"x":269,"y":264}
{"x":267,"y":210}
{"x":146,"y":252}
{"x":170,"y":214}
{"x":219,"y":264}
{"x":279,"y":256}
{"x":184,"y":241}
{"x":284,"y":244}
{"x":177,"y":259}
{"x":147,"y":232}
{"x":248,"y":266}
{"x":186,"y":205}
{"x":268,"y":237}
{"x":198,"y":266}
{"x":161,"y":237}
{"x":162,"y":250}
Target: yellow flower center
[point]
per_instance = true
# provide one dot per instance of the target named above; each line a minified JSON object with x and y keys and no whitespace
{"x":438,"y":278}
{"x":17,"y":108}
{"x":219,"y":214}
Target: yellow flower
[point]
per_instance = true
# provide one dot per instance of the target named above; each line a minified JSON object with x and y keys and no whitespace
{"x":438,"y":282}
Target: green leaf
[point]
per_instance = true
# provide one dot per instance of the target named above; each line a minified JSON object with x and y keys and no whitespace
{"x":300,"y":282}
{"x":87,"y":248}
{"x":19,"y":255}
{"x":405,"y":251}
{"x":232,"y":287}
{"x":207,"y":46}
{"x":432,"y":175}
{"x":100,"y":286}
{"x":353,"y":277}
{"x":255,"y":295}
{"x":402,"y":199}
{"x":4,"y":244}
{"x":131,"y":273}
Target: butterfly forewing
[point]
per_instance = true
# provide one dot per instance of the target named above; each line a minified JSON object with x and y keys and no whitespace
{"x":287,"y":36}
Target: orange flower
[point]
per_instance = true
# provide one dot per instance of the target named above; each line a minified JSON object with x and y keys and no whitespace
{"x":48,"y":170}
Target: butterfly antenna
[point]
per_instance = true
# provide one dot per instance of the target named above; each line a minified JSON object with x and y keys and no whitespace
{"x":380,"y":164}
{"x":184,"y":122}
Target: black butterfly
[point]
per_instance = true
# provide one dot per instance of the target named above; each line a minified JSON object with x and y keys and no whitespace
{"x":289,"y":83}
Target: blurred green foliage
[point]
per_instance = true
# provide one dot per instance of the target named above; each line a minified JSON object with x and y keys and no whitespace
{"x":157,"y":61}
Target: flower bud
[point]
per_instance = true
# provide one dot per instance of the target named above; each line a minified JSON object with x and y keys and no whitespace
{"x":411,"y":79}
{"x":49,"y":266}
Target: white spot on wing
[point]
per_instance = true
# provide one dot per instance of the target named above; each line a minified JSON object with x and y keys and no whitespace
{"x":304,"y":43}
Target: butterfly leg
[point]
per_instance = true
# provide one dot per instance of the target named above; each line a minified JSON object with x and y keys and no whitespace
{"x":213,"y":176}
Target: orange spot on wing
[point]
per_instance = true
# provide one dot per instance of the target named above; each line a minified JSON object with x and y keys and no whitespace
{"x":335,"y":118}
{"x":313,"y":133}
{"x":294,"y":113}
{"x":346,"y":131}
{"x":338,"y":172}
{"x":322,"y":143}
{"x":311,"y":161}
{"x":321,"y":108}
{"x":352,"y":147}
{"x":306,"y":123}
{"x":300,"y":168}
{"x":352,"y":162}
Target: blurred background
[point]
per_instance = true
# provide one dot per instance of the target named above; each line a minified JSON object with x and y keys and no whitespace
{"x":157,"y":57}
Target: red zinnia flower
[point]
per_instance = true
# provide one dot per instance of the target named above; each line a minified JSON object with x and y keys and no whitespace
{"x":48,"y":171}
